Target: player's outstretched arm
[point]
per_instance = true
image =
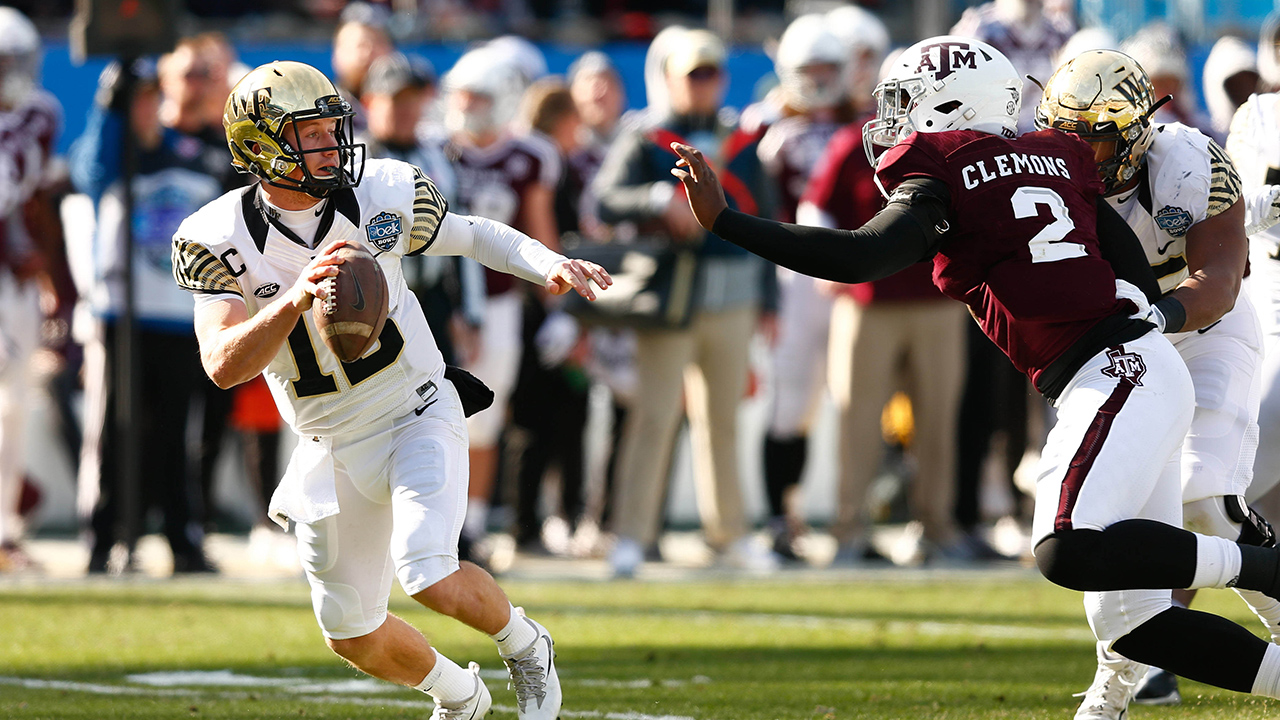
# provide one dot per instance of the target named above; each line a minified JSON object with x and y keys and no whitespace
{"x":907,"y":231}
{"x":235,"y":347}
{"x":508,"y":250}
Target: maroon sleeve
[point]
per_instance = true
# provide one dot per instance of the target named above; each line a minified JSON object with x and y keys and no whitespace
{"x":913,"y":157}
{"x":842,"y":185}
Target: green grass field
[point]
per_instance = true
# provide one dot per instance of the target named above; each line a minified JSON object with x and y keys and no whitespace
{"x":878,"y":646}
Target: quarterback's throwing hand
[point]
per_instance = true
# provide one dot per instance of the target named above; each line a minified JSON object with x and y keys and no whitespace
{"x":706,"y":197}
{"x":324,"y":264}
{"x":571,"y":274}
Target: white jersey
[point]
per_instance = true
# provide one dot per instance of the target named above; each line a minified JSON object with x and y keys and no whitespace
{"x":1188,"y":179}
{"x":229,"y":248}
{"x":1254,"y":145}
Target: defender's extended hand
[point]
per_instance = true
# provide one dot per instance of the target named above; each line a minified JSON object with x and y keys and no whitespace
{"x":706,"y":197}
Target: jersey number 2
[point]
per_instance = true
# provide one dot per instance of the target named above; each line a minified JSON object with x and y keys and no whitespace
{"x":1048,"y":245}
{"x":311,"y":381}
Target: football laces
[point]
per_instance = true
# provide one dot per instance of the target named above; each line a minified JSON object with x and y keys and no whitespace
{"x":329,"y":305}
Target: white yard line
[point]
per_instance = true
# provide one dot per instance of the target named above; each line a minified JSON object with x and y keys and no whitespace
{"x":154,"y":691}
{"x":201,"y":684}
{"x":855,"y":624}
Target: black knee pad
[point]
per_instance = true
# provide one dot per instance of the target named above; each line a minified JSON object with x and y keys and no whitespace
{"x":1067,"y":558}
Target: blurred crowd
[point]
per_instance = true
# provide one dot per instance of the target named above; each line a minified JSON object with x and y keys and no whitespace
{"x":693,"y":327}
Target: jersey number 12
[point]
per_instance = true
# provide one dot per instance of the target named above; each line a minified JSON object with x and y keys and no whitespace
{"x":311,"y":381}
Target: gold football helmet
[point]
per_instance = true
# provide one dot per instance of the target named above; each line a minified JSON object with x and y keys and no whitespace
{"x":1103,"y":95}
{"x":261,"y":121}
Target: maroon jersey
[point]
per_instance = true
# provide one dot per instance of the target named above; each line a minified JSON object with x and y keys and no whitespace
{"x":843,"y":186}
{"x":27,"y":135}
{"x":493,"y":183}
{"x":789,"y":151}
{"x":1022,"y":251}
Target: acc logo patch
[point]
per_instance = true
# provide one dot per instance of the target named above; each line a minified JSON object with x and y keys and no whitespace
{"x":383,"y":230}
{"x":267,"y":290}
{"x":1173,"y":220}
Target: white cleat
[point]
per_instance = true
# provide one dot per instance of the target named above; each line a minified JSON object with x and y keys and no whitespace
{"x":1113,"y":687}
{"x":533,"y":676}
{"x":473,"y":708}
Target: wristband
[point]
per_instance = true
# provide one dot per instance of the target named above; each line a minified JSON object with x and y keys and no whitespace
{"x":1174,"y":314}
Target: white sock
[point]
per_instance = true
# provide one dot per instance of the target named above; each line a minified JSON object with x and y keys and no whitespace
{"x":1266,"y":608}
{"x":1217,"y":562}
{"x":475,"y":524}
{"x":1267,"y":682}
{"x":447,"y":682}
{"x":516,"y":636}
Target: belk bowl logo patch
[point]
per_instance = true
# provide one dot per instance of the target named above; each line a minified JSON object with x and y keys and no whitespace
{"x":1173,"y":220}
{"x":267,"y":290}
{"x":383,"y":230}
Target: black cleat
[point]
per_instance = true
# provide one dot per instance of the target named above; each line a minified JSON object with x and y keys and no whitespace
{"x":1159,"y":687}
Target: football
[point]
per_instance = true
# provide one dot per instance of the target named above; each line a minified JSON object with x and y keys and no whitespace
{"x":351,"y":318}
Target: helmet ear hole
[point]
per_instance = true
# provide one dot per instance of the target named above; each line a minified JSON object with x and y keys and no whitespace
{"x":947,"y":108}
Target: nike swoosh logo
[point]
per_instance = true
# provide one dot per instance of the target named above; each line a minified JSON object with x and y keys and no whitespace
{"x":423,"y":409}
{"x":358,"y":304}
{"x":1162,"y":250}
{"x":1207,"y":328}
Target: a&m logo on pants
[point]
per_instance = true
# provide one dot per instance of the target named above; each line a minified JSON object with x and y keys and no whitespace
{"x":1125,"y":365}
{"x":383,"y":230}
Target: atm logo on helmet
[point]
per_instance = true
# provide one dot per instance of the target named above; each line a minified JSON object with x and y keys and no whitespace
{"x":951,"y":55}
{"x":383,"y":230}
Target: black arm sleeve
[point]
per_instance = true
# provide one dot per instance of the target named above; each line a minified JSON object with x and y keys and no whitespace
{"x":1123,"y":250}
{"x":908,"y":230}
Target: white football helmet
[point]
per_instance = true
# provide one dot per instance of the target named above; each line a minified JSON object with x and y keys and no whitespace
{"x":859,"y":30}
{"x":945,"y":83}
{"x":19,"y":58}
{"x":520,"y":54}
{"x":482,"y":72}
{"x":808,"y":43}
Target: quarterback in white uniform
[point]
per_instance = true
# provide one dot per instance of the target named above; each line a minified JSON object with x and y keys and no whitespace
{"x":1179,"y":192}
{"x":377,"y":487}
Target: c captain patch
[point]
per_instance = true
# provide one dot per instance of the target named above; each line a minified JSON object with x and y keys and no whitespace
{"x":383,"y":230}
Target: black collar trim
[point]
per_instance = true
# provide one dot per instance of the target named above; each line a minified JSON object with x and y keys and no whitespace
{"x":254,"y":219}
{"x":257,"y":219}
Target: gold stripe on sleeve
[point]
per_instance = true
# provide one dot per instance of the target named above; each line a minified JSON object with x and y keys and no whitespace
{"x":196,"y":269}
{"x":429,"y":207}
{"x":1224,"y":181}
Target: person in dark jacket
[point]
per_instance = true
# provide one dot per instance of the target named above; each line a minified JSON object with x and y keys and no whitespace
{"x":708,"y":357}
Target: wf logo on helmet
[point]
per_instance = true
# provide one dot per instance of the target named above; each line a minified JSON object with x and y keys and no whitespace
{"x":383,"y":230}
{"x":1130,"y":88}
{"x":951,"y":55}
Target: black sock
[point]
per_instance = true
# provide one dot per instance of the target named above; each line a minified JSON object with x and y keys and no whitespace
{"x":1259,"y":569}
{"x":1196,"y":645}
{"x":784,"y":460}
